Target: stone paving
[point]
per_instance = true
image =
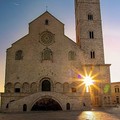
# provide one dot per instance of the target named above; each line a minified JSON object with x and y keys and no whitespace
{"x":62,"y":115}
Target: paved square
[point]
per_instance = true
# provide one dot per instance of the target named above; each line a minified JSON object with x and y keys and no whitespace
{"x":61,"y":115}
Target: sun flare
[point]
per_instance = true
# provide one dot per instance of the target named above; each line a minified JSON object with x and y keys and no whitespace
{"x":88,"y":81}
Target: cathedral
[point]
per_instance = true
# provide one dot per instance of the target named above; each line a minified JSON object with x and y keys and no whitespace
{"x":46,"y":70}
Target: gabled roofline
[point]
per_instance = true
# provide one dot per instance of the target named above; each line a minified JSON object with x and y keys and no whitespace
{"x":49,"y":14}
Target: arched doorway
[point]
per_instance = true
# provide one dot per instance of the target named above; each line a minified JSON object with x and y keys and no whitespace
{"x":46,"y":104}
{"x":24,"y":107}
{"x":46,"y":85}
{"x":68,"y":106}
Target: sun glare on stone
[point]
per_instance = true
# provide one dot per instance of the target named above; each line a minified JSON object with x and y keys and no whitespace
{"x":88,"y":81}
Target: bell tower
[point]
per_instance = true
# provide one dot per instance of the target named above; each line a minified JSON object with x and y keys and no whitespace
{"x":89,"y":30}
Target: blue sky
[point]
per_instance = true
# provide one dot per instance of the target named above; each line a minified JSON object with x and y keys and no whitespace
{"x":16,"y":14}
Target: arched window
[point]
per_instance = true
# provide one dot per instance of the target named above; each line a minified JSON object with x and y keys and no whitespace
{"x":17,"y":87}
{"x":59,"y":87}
{"x":46,"y":22}
{"x":84,"y":104}
{"x":68,"y":106}
{"x":117,"y":90}
{"x":108,"y":100}
{"x":73,"y":89}
{"x":33,"y":87}
{"x":7,"y":106}
{"x":19,"y":55}
{"x":71,"y":55}
{"x":47,"y":54}
{"x":46,"y":85}
{"x":74,"y":86}
{"x":92,"y":54}
{"x":25,"y":87}
{"x":66,"y":87}
{"x":8,"y":87}
{"x":91,"y":34}
{"x":117,"y":99}
{"x":90,"y":17}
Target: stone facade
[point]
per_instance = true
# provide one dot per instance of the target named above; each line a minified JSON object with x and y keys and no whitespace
{"x":45,"y":70}
{"x":115,"y":92}
{"x":89,"y":30}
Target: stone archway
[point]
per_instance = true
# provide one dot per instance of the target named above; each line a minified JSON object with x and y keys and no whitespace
{"x":46,"y":104}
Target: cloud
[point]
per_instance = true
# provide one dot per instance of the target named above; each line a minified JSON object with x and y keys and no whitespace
{"x":16,"y":4}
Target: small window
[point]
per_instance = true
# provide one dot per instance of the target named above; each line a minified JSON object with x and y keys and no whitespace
{"x":7,"y":106}
{"x":108,"y":100}
{"x":17,"y":90}
{"x":68,"y":106}
{"x":92,"y":54}
{"x":19,"y":55}
{"x":84,"y":104}
{"x":71,"y":55}
{"x":46,"y":22}
{"x":117,"y":99}
{"x":90,"y":17}
{"x":91,"y":34}
{"x":73,"y":89}
{"x":117,"y":89}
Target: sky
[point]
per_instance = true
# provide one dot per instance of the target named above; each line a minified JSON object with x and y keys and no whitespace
{"x":16,"y":14}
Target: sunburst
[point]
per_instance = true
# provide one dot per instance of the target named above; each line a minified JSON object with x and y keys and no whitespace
{"x":88,"y":79}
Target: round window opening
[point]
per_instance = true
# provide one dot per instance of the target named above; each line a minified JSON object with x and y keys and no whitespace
{"x":47,"y":38}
